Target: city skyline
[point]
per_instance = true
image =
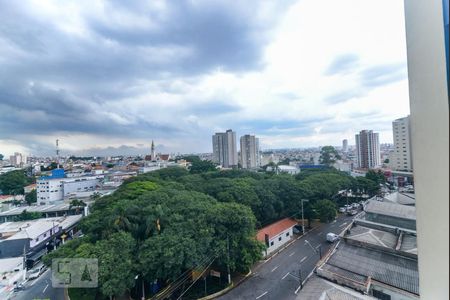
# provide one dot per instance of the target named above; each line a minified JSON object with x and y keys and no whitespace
{"x":113,"y":76}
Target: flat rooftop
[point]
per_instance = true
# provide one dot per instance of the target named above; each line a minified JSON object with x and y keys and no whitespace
{"x":391,"y":209}
{"x":319,"y":288}
{"x":357,"y":264}
{"x":401,"y":198}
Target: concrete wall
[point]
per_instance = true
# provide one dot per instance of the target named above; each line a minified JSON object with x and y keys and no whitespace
{"x":429,"y":105}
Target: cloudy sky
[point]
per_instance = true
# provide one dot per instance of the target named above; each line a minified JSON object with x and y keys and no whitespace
{"x":113,"y":75}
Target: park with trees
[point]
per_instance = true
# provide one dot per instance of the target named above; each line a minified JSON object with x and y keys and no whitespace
{"x":162,"y":226}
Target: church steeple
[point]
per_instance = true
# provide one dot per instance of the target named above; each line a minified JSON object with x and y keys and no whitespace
{"x":153,"y":151}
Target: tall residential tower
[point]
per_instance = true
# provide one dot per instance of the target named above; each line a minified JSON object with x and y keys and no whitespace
{"x":402,"y":145}
{"x":249,"y":152}
{"x":367,"y":149}
{"x":224,"y":149}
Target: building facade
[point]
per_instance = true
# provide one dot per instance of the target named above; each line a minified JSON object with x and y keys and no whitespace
{"x":402,"y":156}
{"x":224,"y":149}
{"x":367,"y":149}
{"x":249,"y":152}
{"x":345,"y":145}
{"x":427,"y":43}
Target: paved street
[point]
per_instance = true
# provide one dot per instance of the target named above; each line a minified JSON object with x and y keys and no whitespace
{"x":39,"y":288}
{"x":278,"y":277}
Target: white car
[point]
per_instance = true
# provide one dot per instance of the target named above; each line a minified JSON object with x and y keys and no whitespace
{"x":342,"y":209}
{"x":331,"y":237}
{"x":35,"y":273}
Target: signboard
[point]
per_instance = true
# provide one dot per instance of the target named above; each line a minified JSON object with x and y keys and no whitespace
{"x":214,"y":273}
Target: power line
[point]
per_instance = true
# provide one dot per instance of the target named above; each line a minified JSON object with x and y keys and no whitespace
{"x":206,"y":268}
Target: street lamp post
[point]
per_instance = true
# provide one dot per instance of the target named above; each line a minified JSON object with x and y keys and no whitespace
{"x":143,"y":289}
{"x":303,"y":217}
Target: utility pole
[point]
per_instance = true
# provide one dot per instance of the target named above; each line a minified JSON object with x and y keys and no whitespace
{"x":303,"y":217}
{"x":143,"y":288}
{"x":228,"y":260}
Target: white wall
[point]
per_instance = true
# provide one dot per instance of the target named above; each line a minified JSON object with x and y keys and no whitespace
{"x":277,"y":243}
{"x":429,"y":105}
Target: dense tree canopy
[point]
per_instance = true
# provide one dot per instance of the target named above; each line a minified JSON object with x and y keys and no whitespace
{"x":31,"y":197}
{"x":328,"y":155}
{"x":12,"y":183}
{"x":165,"y":223}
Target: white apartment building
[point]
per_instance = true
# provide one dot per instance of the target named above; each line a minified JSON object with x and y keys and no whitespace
{"x":249,"y":152}
{"x":51,"y":190}
{"x":402,"y":158}
{"x":367,"y":149}
{"x":17,"y":160}
{"x":225,"y":149}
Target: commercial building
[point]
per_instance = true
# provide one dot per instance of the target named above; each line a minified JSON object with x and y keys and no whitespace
{"x":367,"y":149}
{"x":32,"y":236}
{"x":249,"y":152}
{"x":377,"y":254}
{"x":402,"y":158}
{"x":225,"y":149}
{"x":427,"y":27}
{"x":54,"y":188}
{"x":276,"y":235}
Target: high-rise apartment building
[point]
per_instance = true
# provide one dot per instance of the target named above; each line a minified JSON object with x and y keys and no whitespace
{"x":224,"y":149}
{"x":367,"y":149}
{"x":249,"y":152}
{"x":345,"y":145}
{"x":17,"y":159}
{"x":402,"y":159}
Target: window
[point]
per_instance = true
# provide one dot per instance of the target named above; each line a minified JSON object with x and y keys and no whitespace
{"x":380,"y":295}
{"x":287,"y":233}
{"x":271,"y":243}
{"x":279,"y":239}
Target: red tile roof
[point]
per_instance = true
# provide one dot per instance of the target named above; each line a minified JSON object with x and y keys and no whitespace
{"x":275,"y":228}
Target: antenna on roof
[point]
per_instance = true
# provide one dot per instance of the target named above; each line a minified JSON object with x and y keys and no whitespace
{"x":57,"y":153}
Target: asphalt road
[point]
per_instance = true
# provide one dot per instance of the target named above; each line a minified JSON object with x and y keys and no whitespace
{"x":39,"y":289}
{"x":278,"y":278}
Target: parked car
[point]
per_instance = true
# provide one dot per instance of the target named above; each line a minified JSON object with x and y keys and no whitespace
{"x":331,"y":237}
{"x":355,"y":205}
{"x":19,"y":287}
{"x":352,"y":212}
{"x":35,"y":273}
{"x":342,"y":209}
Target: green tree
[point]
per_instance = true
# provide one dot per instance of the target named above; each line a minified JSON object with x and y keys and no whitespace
{"x":202,"y":166}
{"x":25,"y":216}
{"x":376,"y":176}
{"x":326,"y":210}
{"x":31,"y":197}
{"x":12,"y":183}
{"x":116,"y":264}
{"x":328,"y":155}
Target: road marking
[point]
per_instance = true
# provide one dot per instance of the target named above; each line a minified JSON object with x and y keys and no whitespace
{"x":292,"y":253}
{"x":343,"y":224}
{"x":274,"y":268}
{"x":45,"y":288}
{"x":332,"y":226}
{"x":261,"y":295}
{"x":285,"y":276}
{"x":303,"y":259}
{"x":320,"y":233}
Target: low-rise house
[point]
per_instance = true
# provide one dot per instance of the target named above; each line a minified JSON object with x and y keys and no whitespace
{"x":276,"y":235}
